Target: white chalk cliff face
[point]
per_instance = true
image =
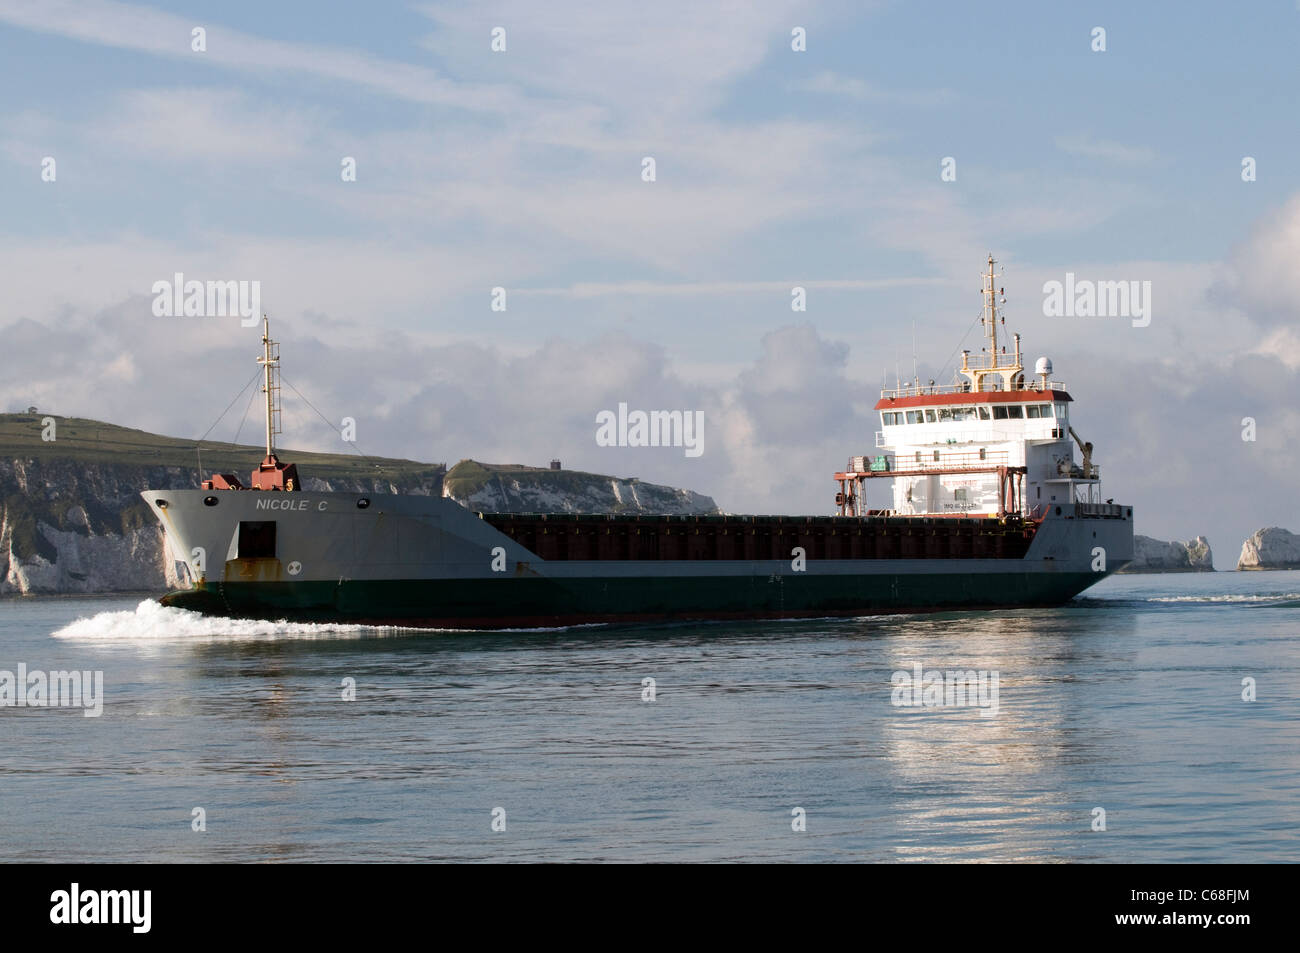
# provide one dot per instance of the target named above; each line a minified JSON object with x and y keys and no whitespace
{"x":597,"y":495}
{"x":1156,"y":555}
{"x":1270,"y":548}
{"x":76,"y":527}
{"x":81,"y":563}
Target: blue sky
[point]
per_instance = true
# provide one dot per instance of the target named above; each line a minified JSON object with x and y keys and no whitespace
{"x":775,"y":168}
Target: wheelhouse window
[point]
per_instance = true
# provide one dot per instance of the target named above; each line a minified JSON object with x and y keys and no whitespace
{"x":1000,"y":412}
{"x":1015,"y":412}
{"x":915,"y":417}
{"x":929,"y":416}
{"x":984,"y":413}
{"x":1033,"y":411}
{"x":1062,"y":411}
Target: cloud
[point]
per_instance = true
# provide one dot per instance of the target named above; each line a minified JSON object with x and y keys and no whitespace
{"x":647,"y":64}
{"x":415,"y":397}
{"x":340,"y":277}
{"x":1263,"y":277}
{"x":188,"y":125}
{"x":145,"y":30}
{"x":851,"y":87}
{"x":594,"y":289}
{"x":1091,"y":148}
{"x":1169,"y":442}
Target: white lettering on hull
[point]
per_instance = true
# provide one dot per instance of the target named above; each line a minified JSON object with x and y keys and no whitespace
{"x":285,"y":504}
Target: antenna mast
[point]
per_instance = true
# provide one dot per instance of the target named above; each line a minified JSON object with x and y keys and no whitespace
{"x":916,"y":374}
{"x":270,"y":361}
{"x":1008,"y":373}
{"x":991,"y":310}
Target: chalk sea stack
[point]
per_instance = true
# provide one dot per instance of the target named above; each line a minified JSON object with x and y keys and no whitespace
{"x":1270,"y":548}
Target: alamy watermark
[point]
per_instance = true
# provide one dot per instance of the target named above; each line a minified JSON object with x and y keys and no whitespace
{"x":1098,"y":299}
{"x":179,"y":298}
{"x":78,"y":905}
{"x":933,"y":689}
{"x":654,"y":428}
{"x":39,"y":689}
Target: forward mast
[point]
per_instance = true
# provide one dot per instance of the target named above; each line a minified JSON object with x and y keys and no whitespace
{"x":271,"y":473}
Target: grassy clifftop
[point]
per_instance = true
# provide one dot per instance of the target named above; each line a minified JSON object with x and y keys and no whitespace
{"x":469,"y":477}
{"x":515,"y":488}
{"x":83,"y":440}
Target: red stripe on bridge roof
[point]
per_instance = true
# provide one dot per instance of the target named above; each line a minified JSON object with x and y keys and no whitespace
{"x":974,"y":397}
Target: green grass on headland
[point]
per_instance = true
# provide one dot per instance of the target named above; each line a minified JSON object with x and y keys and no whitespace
{"x":469,"y":476}
{"x":93,"y":441}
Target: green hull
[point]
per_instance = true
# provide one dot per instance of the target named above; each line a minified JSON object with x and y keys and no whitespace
{"x":537,"y":601}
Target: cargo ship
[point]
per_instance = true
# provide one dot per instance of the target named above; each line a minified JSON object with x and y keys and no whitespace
{"x":989,"y":509}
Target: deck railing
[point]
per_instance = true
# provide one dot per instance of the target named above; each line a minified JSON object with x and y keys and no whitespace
{"x":899,"y":465}
{"x":925,"y":390}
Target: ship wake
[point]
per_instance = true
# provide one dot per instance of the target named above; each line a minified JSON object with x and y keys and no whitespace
{"x":1276,"y":599}
{"x":151,"y":622}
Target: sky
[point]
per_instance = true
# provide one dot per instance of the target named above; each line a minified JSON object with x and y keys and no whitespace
{"x":224,"y":157}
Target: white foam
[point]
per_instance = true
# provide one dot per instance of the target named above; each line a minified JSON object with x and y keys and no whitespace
{"x":151,"y":621}
{"x":1278,"y":597}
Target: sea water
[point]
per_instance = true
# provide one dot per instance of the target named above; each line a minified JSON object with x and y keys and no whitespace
{"x":1152,"y":719}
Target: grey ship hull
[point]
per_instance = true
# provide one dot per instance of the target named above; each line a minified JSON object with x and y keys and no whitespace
{"x":429,"y":562}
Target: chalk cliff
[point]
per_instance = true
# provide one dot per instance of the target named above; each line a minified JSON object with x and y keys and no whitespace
{"x":1270,"y":548}
{"x":513,"y":488}
{"x":1156,"y":555}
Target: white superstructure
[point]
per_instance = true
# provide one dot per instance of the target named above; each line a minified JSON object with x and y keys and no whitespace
{"x":990,"y":444}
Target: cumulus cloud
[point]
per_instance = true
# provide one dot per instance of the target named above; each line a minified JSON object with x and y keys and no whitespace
{"x":778,"y":421}
{"x":1263,"y":276}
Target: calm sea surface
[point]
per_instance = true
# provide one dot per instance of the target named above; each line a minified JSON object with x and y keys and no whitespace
{"x":1128,"y":699}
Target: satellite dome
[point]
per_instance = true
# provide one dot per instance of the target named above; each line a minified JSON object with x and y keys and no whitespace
{"x":1043,"y":366}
